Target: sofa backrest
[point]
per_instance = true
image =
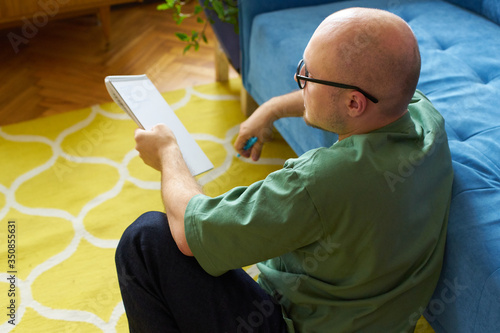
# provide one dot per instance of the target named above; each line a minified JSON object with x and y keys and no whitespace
{"x":487,"y":8}
{"x":248,"y":9}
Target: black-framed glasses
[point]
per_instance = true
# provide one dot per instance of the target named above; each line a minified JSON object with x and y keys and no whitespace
{"x":303,"y":76}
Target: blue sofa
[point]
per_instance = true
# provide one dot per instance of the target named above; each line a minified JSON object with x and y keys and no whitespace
{"x":460,"y":47}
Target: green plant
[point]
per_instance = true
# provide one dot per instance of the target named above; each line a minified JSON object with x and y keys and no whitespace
{"x":224,"y":10}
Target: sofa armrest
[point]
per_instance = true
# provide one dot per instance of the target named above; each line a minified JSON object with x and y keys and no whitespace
{"x":248,"y":9}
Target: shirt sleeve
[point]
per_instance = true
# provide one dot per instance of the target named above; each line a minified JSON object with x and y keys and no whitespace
{"x":251,"y":224}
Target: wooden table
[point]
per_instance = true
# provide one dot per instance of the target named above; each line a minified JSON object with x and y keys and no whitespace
{"x":32,"y":15}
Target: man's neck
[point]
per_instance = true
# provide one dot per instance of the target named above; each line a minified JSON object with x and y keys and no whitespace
{"x":370,"y":126}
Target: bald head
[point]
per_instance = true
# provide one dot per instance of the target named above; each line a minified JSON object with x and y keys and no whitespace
{"x":372,"y":49}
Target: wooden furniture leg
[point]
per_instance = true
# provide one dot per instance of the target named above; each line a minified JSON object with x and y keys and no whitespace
{"x":105,"y":18}
{"x":221,"y":64}
{"x":248,"y":104}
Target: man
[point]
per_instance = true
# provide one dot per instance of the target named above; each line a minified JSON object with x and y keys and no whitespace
{"x":350,"y":238}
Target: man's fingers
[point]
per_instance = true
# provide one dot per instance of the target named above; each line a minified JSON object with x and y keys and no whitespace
{"x":239,"y":143}
{"x":256,"y":151}
{"x":138,"y":132}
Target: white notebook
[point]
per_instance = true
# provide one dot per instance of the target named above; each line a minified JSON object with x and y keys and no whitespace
{"x":140,"y":99}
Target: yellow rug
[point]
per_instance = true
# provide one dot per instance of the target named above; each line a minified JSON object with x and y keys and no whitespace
{"x":70,"y":185}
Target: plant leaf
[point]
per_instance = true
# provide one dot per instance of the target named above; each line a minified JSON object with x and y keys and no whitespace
{"x":197,"y":9}
{"x":182,"y":36}
{"x":225,"y":10}
{"x":163,"y":6}
{"x":219,"y":8}
{"x":167,"y":5}
{"x":194,"y":35}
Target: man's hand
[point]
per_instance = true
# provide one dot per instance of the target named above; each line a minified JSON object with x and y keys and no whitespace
{"x":260,"y":123}
{"x":153,"y":145}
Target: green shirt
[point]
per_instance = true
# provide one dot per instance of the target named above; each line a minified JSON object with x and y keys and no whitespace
{"x":349,"y":238}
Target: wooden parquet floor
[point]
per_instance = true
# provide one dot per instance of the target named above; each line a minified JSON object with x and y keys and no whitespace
{"x":62,"y":67}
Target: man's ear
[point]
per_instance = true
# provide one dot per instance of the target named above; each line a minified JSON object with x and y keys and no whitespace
{"x":356,"y":104}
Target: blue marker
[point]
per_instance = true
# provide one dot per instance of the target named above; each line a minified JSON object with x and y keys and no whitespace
{"x":249,"y":144}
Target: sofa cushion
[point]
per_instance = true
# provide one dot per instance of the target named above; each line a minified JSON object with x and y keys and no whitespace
{"x":488,"y":8}
{"x":461,"y":76}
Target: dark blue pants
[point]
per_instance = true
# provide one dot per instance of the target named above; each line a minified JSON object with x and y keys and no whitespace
{"x":166,"y":291}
